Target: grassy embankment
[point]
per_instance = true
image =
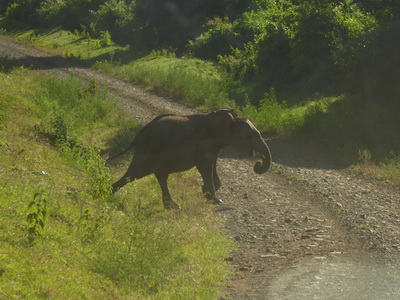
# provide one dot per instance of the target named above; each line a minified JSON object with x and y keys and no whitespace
{"x":62,"y":235}
{"x":362,"y":136}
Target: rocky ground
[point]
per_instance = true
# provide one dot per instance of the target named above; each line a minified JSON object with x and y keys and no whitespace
{"x":307,"y":229}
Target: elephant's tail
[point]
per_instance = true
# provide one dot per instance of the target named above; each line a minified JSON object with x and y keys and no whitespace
{"x":124,"y":151}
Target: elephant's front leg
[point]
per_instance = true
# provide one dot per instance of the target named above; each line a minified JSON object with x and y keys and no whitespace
{"x":207,"y":173}
{"x":166,"y":196}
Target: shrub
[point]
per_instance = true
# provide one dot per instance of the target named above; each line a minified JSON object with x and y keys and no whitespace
{"x":37,"y":215}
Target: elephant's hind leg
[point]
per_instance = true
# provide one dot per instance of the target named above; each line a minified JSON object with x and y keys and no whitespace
{"x":120,"y":183}
{"x":166,"y":196}
{"x":134,"y":172}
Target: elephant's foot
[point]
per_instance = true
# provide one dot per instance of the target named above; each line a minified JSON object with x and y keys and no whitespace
{"x":212,"y":198}
{"x":170,"y":204}
{"x":217,"y":201}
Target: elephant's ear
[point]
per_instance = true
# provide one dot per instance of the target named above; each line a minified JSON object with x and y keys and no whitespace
{"x":219,"y":126}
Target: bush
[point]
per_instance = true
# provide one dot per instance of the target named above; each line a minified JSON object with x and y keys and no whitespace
{"x":216,"y":41}
{"x":308,"y":46}
{"x":278,"y":118}
{"x":116,"y":17}
{"x":23,"y":10}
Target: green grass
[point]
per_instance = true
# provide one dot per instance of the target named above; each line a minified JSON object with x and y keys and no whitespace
{"x":387,"y":170}
{"x":192,"y":81}
{"x":280,"y":119}
{"x":341,"y":124}
{"x":78,"y":45}
{"x":79,"y":241}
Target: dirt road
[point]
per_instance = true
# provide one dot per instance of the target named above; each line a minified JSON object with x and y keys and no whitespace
{"x":304,"y":230}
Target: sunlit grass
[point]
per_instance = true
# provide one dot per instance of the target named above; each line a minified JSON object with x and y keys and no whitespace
{"x":92,"y":244}
{"x":278,"y":118}
{"x":388,"y":170}
{"x":192,"y":81}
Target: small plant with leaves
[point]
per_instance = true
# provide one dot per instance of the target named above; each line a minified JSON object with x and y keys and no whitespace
{"x":106,"y":40}
{"x":37,"y":214}
{"x":364,"y":156}
{"x":90,"y":225}
{"x":60,"y":130}
{"x":90,"y":159}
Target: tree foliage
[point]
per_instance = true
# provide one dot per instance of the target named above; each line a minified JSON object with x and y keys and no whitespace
{"x":307,"y":46}
{"x":280,"y":43}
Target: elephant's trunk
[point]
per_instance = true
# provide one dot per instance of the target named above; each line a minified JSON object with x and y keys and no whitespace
{"x":262,"y":167}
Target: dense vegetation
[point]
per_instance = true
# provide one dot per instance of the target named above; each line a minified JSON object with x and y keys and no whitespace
{"x":329,"y":68}
{"x":62,"y":235}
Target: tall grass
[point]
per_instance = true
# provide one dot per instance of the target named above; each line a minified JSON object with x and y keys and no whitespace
{"x":193,"y":81}
{"x":79,"y":241}
{"x":279,"y":119}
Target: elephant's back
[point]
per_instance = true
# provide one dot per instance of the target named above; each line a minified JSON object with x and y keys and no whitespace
{"x":170,"y":131}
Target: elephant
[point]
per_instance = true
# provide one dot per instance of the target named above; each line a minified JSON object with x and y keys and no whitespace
{"x":174,"y":143}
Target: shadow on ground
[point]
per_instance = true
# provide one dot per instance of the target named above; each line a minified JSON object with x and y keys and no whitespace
{"x":292,"y":154}
{"x":38,"y":63}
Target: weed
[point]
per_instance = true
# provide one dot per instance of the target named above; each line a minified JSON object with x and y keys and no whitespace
{"x":105,"y":40}
{"x":90,"y":160}
{"x":364,"y":227}
{"x":149,"y":257}
{"x":364,"y":156}
{"x":95,"y":166}
{"x":3,"y":263}
{"x":89,"y":225}
{"x":37,"y":215}
{"x":2,"y":121}
{"x":92,"y":87}
{"x":59,"y":130}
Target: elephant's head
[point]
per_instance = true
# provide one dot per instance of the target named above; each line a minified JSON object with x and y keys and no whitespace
{"x":247,"y":139}
{"x":242,"y":135}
